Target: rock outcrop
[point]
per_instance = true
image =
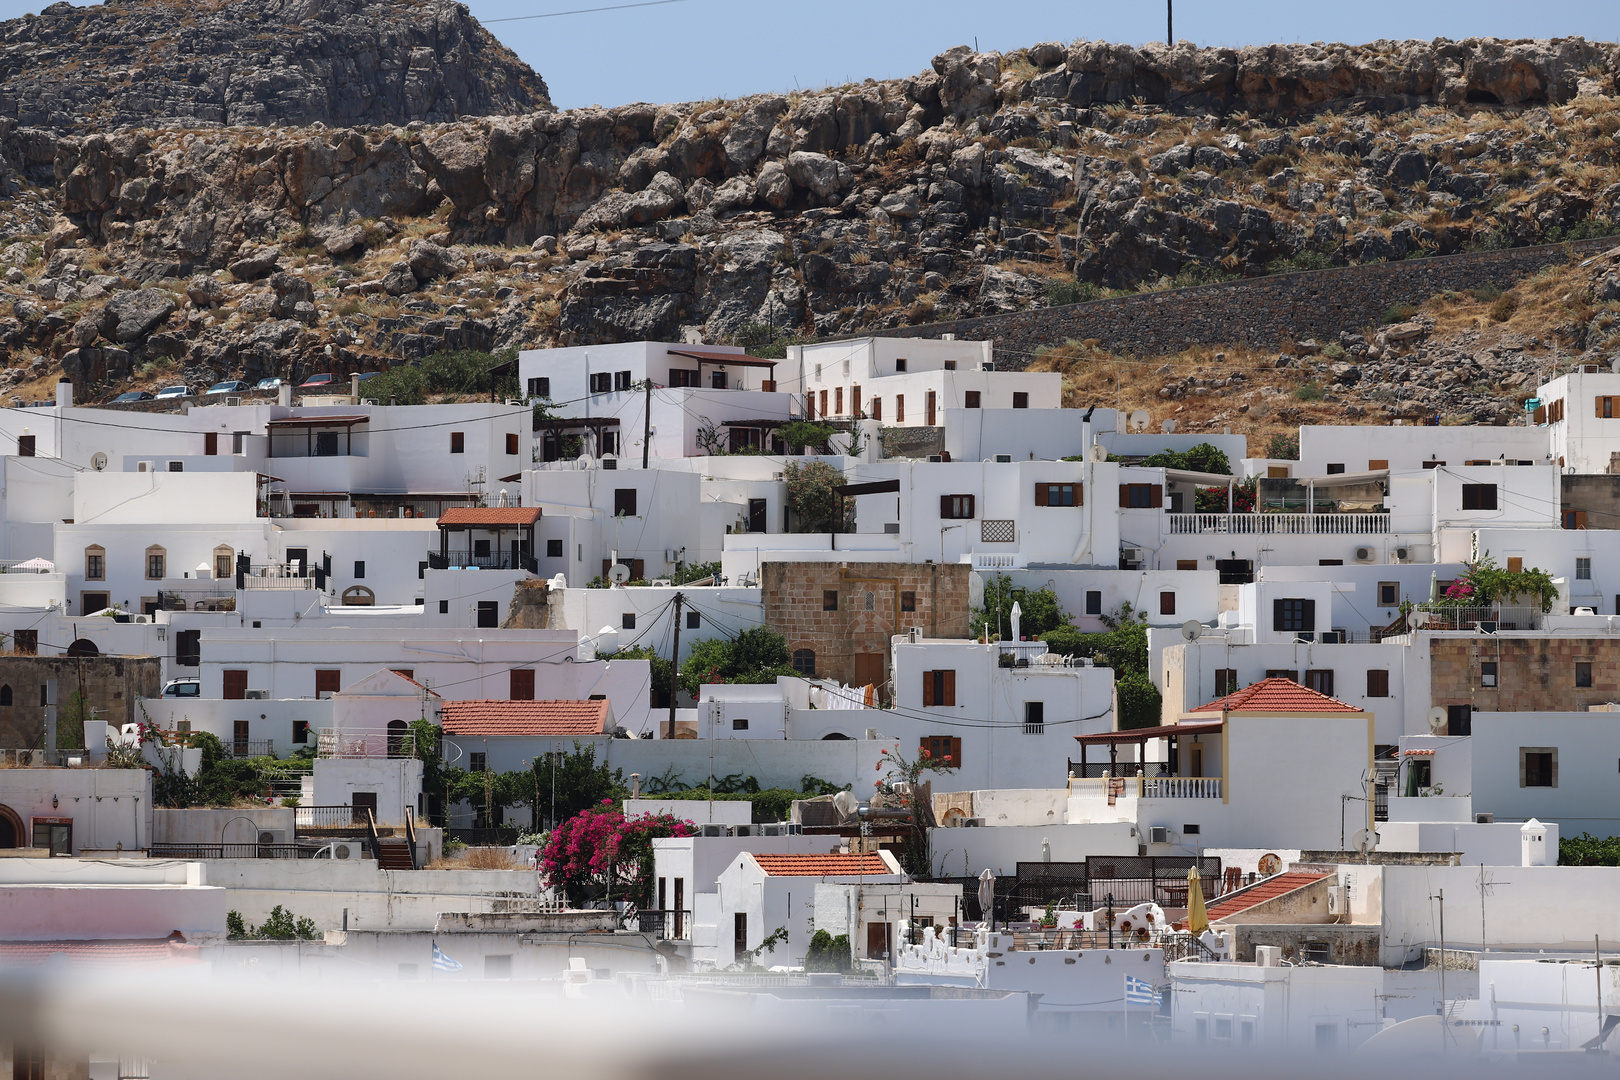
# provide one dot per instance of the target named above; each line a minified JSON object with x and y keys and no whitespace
{"x":226,"y":63}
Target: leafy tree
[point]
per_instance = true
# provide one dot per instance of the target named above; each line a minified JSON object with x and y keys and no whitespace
{"x":1038,"y":608}
{"x":757,"y":655}
{"x":1139,"y":702}
{"x":658,"y":666}
{"x":1123,"y":647}
{"x":695,"y":572}
{"x":1283,"y":447}
{"x":902,"y":785}
{"x":1202,"y":458}
{"x":279,"y":925}
{"x":580,"y":782}
{"x":1212,"y":500}
{"x":802,"y":434}
{"x":828,"y":953}
{"x":814,"y":505}
{"x":1589,"y":850}
{"x":460,"y":371}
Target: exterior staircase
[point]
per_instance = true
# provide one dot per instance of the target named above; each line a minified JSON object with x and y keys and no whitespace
{"x":394,"y":853}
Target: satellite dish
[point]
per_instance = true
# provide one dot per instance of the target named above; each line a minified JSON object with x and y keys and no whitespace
{"x":1437,"y":721}
{"x":1098,"y":452}
{"x":1140,"y":420}
{"x":1192,"y":629}
{"x":619,"y":574}
{"x":584,"y":461}
{"x":1270,"y":863}
{"x":846,"y":804}
{"x":1169,"y":427}
{"x":98,"y":461}
{"x":1365,"y":841}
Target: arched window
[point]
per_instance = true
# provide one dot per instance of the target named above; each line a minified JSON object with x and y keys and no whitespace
{"x":358,"y":596}
{"x":5,"y":696}
{"x":83,"y":647}
{"x":224,"y":562}
{"x":95,"y":563}
{"x":396,"y":738}
{"x":836,"y":736}
{"x":157,"y":561}
{"x":11,"y":829}
{"x":804,"y":661}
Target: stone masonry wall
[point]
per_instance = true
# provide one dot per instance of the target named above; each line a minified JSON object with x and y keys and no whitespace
{"x":111,"y":684}
{"x":867,"y":609}
{"x":1533,"y":674}
{"x":1597,"y":496}
{"x":1258,"y":312}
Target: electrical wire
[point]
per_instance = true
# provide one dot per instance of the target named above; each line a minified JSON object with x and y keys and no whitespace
{"x":583,"y":11}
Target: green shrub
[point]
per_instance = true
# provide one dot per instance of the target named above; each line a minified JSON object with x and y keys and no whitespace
{"x":1311,"y":391}
{"x":828,"y":953}
{"x":1065,"y":291}
{"x":1397,"y":313}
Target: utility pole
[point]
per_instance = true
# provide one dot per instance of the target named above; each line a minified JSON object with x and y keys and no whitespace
{"x":675,"y":664}
{"x":1445,"y":1032}
{"x":646,"y":423}
{"x":1170,"y":23}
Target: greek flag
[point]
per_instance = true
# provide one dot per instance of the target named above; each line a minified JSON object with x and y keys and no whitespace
{"x":1138,"y":992}
{"x":442,"y":962}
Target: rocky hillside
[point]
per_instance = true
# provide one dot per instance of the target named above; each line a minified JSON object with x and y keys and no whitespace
{"x":225,"y":63}
{"x":989,"y":183}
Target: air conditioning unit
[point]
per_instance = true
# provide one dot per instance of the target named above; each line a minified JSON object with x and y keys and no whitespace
{"x":1268,"y":956}
{"x":143,"y":618}
{"x":935,"y":457}
{"x":272,"y":836}
{"x":256,"y":695}
{"x":233,"y":400}
{"x":871,"y":734}
{"x":145,"y":466}
{"x":368,"y":401}
{"x":1487,"y":627}
{"x":1130,"y":555}
{"x":891,"y":528}
{"x":1366,"y":555}
{"x":1304,"y":637}
{"x":1403,"y":554}
{"x":1158,"y":834}
{"x":745,"y":830}
{"x":712,"y":829}
{"x":1332,"y":637}
{"x":778,"y":829}
{"x":609,"y":462}
{"x":1003,"y":459}
{"x":972,"y":823}
{"x":344,"y":849}
{"x":1484,"y":819}
{"x":1339,"y":900}
{"x":28,"y":759}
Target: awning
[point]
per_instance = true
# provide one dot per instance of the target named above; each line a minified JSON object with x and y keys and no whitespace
{"x":1141,"y":734}
{"x":1200,"y":479}
{"x":324,"y":421}
{"x":876,"y":487}
{"x":1343,"y":479}
{"x":708,"y":357}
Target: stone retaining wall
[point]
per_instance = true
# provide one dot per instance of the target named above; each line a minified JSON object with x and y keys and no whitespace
{"x":1258,"y":312}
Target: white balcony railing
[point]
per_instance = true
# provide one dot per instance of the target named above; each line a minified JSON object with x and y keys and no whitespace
{"x":1181,"y":787}
{"x":1279,"y":524}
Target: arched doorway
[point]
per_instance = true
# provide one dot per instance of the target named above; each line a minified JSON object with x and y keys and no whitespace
{"x":83,"y":647}
{"x":11,"y":828}
{"x":358,"y":596}
{"x":396,"y":738}
{"x":836,"y":736}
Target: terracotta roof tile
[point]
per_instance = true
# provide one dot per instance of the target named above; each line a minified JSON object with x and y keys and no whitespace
{"x":1268,"y":889}
{"x":1277,"y":696}
{"x":493,"y":719}
{"x":487,"y":517}
{"x":822,"y":865}
{"x":34,"y":953}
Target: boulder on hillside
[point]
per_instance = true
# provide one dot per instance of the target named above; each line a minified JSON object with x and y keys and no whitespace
{"x":131,"y":316}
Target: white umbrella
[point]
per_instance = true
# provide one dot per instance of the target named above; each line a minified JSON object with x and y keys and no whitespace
{"x":987,"y":894}
{"x":1017,"y":619}
{"x":44,"y":566}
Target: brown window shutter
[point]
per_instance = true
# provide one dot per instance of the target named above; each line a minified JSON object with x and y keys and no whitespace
{"x":1158,"y":496}
{"x":928,"y":688}
{"x":1515,"y":565}
{"x":1376,"y":464}
{"x":949,"y":688}
{"x":1124,"y":495}
{"x":956,"y":752}
{"x":1600,"y":403}
{"x":210,"y":443}
{"x":1580,"y":519}
{"x":1079,"y":494}
{"x":810,"y":405}
{"x":1540,"y":415}
{"x":944,"y":506}
{"x":235,"y":685}
{"x":972,"y":506}
{"x":1041,"y":495}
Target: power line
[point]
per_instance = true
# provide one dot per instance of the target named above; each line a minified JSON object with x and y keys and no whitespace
{"x":583,"y":11}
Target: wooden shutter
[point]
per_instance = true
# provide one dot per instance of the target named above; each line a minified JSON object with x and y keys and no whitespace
{"x":945,"y":506}
{"x":210,"y":443}
{"x":1376,"y":464}
{"x":1043,"y":495}
{"x":928,"y":689}
{"x":1277,"y":615}
{"x":1377,"y":683}
{"x":1310,"y":616}
{"x":1540,"y":415}
{"x":1079,"y":494}
{"x":1157,"y":499}
{"x":1124,"y":496}
{"x":235,"y":685}
{"x":328,"y":680}
{"x":522,"y":684}
{"x":1515,"y":565}
{"x":949,"y":688}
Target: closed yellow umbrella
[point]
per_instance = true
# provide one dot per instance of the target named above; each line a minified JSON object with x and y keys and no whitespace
{"x":1197,"y":917}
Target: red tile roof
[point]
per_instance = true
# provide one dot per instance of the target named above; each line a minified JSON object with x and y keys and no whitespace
{"x":35,"y":953}
{"x":822,"y":865}
{"x":1268,"y":889}
{"x":488,"y":517}
{"x":1277,"y":696}
{"x":493,"y":719}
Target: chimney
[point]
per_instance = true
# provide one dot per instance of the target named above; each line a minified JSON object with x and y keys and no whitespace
{"x":354,"y":388}
{"x":64,"y":392}
{"x":284,"y":395}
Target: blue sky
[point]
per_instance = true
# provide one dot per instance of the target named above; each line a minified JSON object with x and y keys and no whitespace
{"x":698,"y":49}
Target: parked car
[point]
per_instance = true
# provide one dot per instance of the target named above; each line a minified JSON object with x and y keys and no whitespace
{"x":183,"y":688}
{"x":271,"y":383}
{"x":173,"y":392}
{"x":322,"y":381}
{"x":229,"y":386}
{"x":364,"y":375}
{"x":133,"y":395}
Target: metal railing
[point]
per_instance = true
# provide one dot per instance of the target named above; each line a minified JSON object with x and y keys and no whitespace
{"x":349,"y":743}
{"x":1443,"y":617}
{"x":1279,"y":524}
{"x":234,"y":851}
{"x":287,"y":583}
{"x":252,"y":748}
{"x":1181,"y":787}
{"x":495,"y":560}
{"x":329,"y":820}
{"x":665,"y":924}
{"x":1034,"y":729}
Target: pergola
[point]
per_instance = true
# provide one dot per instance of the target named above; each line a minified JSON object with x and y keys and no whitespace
{"x":1141,"y":736}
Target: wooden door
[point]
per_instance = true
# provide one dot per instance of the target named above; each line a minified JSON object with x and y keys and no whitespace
{"x":235,"y":685}
{"x":877,"y":940}
{"x":870,"y":670}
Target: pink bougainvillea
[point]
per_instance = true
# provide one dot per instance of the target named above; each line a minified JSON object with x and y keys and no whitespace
{"x":603,"y":847}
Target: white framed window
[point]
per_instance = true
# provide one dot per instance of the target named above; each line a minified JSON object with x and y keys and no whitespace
{"x":1583,"y":569}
